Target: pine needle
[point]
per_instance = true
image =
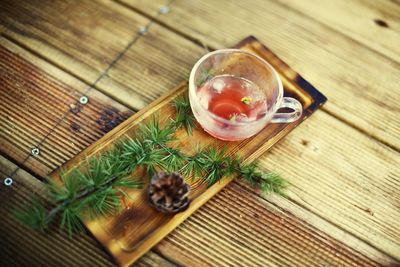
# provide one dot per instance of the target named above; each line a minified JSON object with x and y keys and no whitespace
{"x":71,"y":221}
{"x":174,"y":160}
{"x":214,"y":163}
{"x":153,"y":133}
{"x":184,"y":116}
{"x":144,"y":154}
{"x":193,"y":167}
{"x":127,"y":182}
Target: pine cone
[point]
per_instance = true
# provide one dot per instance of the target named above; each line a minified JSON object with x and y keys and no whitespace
{"x":168,"y":192}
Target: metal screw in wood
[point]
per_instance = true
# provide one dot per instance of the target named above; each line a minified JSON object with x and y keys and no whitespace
{"x":164,"y":10}
{"x":35,"y":151}
{"x":8,"y":181}
{"x":142,"y":30}
{"x":83,"y":100}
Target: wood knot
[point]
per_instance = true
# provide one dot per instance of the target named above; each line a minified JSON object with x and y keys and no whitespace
{"x":304,"y":142}
{"x":381,"y":23}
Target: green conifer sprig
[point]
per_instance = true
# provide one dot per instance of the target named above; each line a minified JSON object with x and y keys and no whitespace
{"x":97,"y":187}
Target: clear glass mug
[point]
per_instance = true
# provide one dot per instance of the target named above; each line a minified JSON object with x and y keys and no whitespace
{"x":234,"y":94}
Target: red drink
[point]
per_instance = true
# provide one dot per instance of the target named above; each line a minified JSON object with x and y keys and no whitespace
{"x":234,"y":94}
{"x":232,"y":98}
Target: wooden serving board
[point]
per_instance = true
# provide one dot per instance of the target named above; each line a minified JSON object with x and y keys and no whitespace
{"x":130,"y":234}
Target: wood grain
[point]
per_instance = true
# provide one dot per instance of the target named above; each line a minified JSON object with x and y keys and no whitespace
{"x":339,"y":66}
{"x":37,"y":95}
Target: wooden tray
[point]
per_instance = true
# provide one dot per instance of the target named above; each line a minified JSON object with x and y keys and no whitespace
{"x":132,"y":233}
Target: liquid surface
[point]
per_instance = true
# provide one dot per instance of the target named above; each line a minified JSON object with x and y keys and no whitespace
{"x":233,"y":98}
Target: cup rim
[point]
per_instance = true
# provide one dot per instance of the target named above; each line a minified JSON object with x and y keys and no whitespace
{"x":193,"y":87}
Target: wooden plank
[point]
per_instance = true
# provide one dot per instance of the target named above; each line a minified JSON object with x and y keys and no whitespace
{"x":343,"y":69}
{"x":35,"y":97}
{"x":375,"y":24}
{"x":82,"y":37}
{"x":23,"y":247}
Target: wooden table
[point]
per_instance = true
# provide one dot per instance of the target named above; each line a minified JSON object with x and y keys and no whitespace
{"x":343,"y":205}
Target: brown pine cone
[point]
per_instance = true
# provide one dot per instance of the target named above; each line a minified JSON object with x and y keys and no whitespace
{"x":168,"y":192}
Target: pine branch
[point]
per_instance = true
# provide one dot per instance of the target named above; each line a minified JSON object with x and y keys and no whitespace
{"x":249,"y":173}
{"x":193,"y":167}
{"x":98,"y":187}
{"x":142,"y":153}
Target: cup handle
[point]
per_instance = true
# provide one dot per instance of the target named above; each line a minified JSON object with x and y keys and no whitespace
{"x":288,"y":102}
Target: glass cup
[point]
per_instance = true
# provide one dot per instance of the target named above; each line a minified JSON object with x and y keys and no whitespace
{"x":234,"y":94}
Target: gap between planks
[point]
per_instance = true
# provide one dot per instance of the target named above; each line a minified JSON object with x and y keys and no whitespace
{"x":196,"y":41}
